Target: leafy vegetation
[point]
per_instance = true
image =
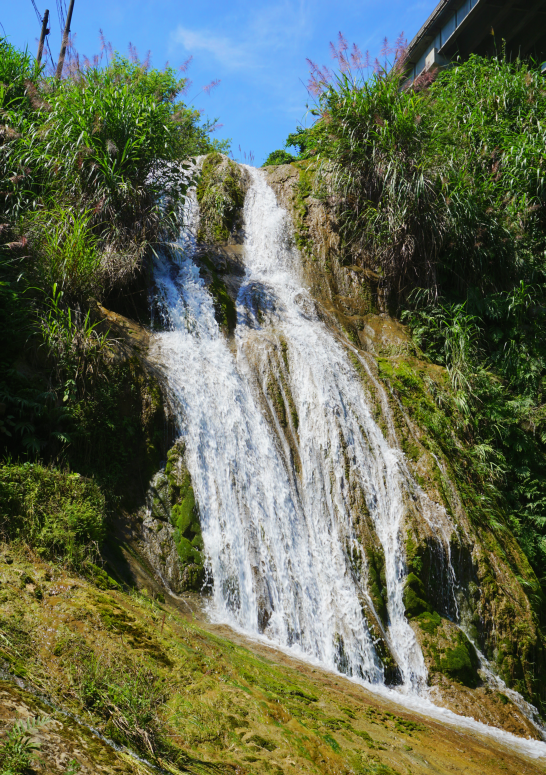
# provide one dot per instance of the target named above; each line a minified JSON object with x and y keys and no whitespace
{"x":302,"y":140}
{"x":60,"y":515}
{"x":17,"y":753}
{"x":125,"y":693}
{"x":93,"y":172}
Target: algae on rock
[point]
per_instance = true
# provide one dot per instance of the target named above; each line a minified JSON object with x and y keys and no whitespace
{"x":146,"y":675}
{"x":172,"y":540}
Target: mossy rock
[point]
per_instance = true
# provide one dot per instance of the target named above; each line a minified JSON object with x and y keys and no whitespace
{"x":193,"y":577}
{"x":429,"y":621}
{"x":221,"y":196}
{"x":184,"y":517}
{"x":225,"y":310}
{"x":100,"y":577}
{"x":224,"y":306}
{"x":461,"y":662}
{"x":377,"y":583}
{"x":415,"y":597}
{"x":414,"y":556}
{"x":188,"y":554}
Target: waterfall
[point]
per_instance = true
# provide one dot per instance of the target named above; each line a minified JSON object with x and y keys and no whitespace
{"x":286,"y":457}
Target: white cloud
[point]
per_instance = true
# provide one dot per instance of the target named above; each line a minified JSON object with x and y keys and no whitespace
{"x":270,"y":29}
{"x":231,"y":55}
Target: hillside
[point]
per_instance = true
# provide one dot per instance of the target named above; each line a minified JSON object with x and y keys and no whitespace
{"x":273,"y":461}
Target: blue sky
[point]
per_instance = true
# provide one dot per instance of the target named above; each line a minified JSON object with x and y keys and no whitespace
{"x":258,"y":50}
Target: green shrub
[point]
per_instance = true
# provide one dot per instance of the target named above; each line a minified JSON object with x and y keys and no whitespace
{"x":303,"y":140}
{"x":91,"y":173}
{"x":278,"y":157}
{"x":440,"y":188}
{"x":373,"y":144}
{"x":59,"y":514}
{"x":107,"y":145}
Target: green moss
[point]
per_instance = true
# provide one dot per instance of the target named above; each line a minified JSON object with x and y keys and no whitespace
{"x":261,"y":742}
{"x":410,"y":449}
{"x":100,"y":577}
{"x":182,"y":509}
{"x":225,"y":309}
{"x":429,"y":621}
{"x":407,"y":726}
{"x":413,"y":556}
{"x":284,"y":352}
{"x":304,"y":189}
{"x":184,"y":514}
{"x":415,"y":597}
{"x":461,"y":662}
{"x":278,"y":401}
{"x":283,"y":401}
{"x":377,"y":583}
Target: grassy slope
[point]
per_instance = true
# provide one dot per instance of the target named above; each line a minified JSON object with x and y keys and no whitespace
{"x":113,"y":658}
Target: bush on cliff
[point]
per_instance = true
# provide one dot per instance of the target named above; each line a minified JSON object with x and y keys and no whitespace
{"x":58,"y":514}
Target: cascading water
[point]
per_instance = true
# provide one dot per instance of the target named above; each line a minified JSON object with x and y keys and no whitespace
{"x":286,"y":458}
{"x":278,"y":518}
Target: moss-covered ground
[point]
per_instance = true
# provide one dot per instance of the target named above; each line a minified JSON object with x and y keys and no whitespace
{"x":187,"y":698}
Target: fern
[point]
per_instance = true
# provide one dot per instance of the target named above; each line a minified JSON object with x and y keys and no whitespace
{"x":17,"y":753}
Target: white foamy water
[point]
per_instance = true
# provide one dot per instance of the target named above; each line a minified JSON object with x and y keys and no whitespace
{"x":278,"y":519}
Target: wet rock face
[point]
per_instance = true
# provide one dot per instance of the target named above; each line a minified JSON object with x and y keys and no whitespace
{"x":171,"y":533}
{"x":462,"y":576}
{"x":346,"y":292}
{"x":221,"y":193}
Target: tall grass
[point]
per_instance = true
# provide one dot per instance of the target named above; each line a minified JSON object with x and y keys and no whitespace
{"x":108,"y":145}
{"x":103,"y":147}
{"x":17,"y":68}
{"x":66,"y":250}
{"x":441,"y":185}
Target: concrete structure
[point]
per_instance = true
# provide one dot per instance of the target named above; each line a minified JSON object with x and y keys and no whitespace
{"x":458,"y":28}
